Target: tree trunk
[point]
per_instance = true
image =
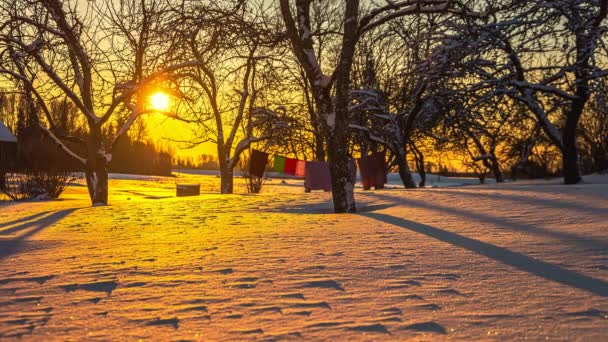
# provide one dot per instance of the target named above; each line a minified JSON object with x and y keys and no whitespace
{"x":500,"y":178}
{"x":97,"y":183}
{"x":96,"y":169}
{"x":419,"y":158}
{"x":337,"y":145}
{"x":570,"y":159}
{"x":319,"y":146}
{"x":227,"y":181}
{"x":404,"y":169}
{"x":422,"y":173}
{"x":337,"y":154}
{"x":342,"y":185}
{"x":569,"y":150}
{"x":226,"y":172}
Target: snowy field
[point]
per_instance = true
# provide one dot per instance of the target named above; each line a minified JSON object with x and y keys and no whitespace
{"x":524,"y":260}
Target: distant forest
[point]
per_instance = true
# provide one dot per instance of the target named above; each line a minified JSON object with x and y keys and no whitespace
{"x":504,"y":88}
{"x":131,"y":153}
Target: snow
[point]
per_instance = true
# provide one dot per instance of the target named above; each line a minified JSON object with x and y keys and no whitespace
{"x":500,"y":262}
{"x":5,"y":134}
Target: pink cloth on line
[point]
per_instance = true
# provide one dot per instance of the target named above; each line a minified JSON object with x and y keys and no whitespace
{"x":318,"y":176}
{"x":300,"y":168}
{"x":373,"y":171}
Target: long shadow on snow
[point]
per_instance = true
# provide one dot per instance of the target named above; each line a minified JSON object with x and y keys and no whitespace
{"x":16,"y":244}
{"x":514,"y":259}
{"x":542,"y":202}
{"x":326,"y":208}
{"x":23,"y":219}
{"x":500,"y":222}
{"x":550,"y":188}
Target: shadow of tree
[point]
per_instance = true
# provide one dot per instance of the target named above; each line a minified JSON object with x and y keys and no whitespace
{"x":499,"y":222}
{"x":543,"y":202}
{"x":23,"y":219}
{"x":36,"y":223}
{"x":508,"y":257}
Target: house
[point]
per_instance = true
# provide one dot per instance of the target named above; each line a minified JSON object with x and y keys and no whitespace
{"x":8,"y":148}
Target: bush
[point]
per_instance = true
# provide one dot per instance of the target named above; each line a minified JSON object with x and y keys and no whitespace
{"x":254,"y":184}
{"x":34,"y":184}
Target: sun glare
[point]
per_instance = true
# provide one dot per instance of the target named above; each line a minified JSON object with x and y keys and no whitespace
{"x":159,"y":101}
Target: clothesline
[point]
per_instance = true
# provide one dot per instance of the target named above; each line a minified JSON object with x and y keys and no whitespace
{"x":317,"y":175}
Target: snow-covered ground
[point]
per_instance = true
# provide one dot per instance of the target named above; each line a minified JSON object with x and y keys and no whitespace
{"x":524,"y":260}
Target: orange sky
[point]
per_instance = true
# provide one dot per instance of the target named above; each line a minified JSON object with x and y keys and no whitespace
{"x":162,"y":129}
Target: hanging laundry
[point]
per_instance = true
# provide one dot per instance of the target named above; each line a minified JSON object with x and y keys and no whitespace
{"x":257,"y":163}
{"x":381,"y":176}
{"x":317,"y":177}
{"x":300,"y":168}
{"x":279,"y":164}
{"x":373,"y":171}
{"x":290,"y":166}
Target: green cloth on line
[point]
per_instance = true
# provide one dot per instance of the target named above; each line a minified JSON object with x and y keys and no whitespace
{"x":279,"y":164}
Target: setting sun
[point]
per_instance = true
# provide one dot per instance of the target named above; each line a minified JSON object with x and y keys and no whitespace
{"x":159,"y":101}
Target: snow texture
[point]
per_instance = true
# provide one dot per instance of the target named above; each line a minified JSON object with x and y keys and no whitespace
{"x":5,"y":134}
{"x":499,"y":262}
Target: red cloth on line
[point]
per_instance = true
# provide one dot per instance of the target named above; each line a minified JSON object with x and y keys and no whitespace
{"x":290,"y":166}
{"x":300,"y":168}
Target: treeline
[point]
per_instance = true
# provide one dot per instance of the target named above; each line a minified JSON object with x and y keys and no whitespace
{"x":509,"y":88}
{"x":203,"y":162}
{"x":139,"y":157}
{"x":38,"y":152}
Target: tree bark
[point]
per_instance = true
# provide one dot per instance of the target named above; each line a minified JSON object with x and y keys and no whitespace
{"x":342,"y":184}
{"x":419,"y":158}
{"x":569,"y":150}
{"x":96,"y":169}
{"x":404,"y":169}
{"x":226,"y":172}
{"x":498,"y":175}
{"x":227,"y":181}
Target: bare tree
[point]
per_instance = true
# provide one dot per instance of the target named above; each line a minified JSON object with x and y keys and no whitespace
{"x":233,"y":81}
{"x":543,"y":54}
{"x":55,"y":47}
{"x":330,"y":85}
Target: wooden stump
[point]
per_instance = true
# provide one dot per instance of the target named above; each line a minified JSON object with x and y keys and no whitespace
{"x":188,"y":190}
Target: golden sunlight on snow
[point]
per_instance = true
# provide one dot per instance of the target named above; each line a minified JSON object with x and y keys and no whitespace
{"x":432,"y":264}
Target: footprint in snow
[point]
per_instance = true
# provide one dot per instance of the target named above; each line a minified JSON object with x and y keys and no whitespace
{"x":392,"y":311}
{"x":370,"y":328}
{"x":168,"y":321}
{"x":412,"y":297}
{"x":101,"y":286}
{"x":327,"y":284}
{"x":451,"y":292}
{"x":28,"y":299}
{"x":250,"y":331}
{"x":293,"y":295}
{"x":226,"y":271}
{"x":432,"y":307}
{"x":427,"y":327}
{"x":324,"y":325}
{"x":301,"y":305}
